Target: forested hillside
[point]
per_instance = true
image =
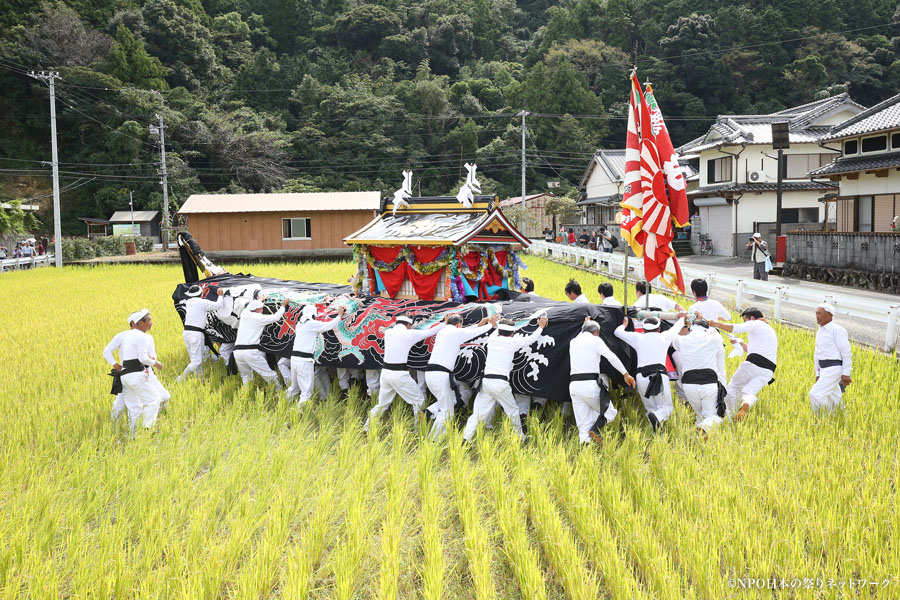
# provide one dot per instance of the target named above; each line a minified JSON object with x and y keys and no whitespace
{"x":297,"y":95}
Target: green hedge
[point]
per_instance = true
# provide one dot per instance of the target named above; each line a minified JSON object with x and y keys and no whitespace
{"x":84,"y":249}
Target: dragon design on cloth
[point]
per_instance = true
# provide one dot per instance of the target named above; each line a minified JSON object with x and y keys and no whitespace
{"x":358,"y":342}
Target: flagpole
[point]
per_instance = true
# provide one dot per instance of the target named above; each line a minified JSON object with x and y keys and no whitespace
{"x":627,"y":246}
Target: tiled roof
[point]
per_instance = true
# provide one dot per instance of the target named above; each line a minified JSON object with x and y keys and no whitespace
{"x":792,"y":186}
{"x":882,"y":116}
{"x":757,"y":129}
{"x":858,"y":163}
{"x":611,"y":161}
{"x":605,"y":200}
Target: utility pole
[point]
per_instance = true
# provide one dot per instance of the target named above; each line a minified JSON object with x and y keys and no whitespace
{"x":523,"y":223}
{"x":131,"y":205}
{"x":160,"y":130}
{"x":49,"y":76}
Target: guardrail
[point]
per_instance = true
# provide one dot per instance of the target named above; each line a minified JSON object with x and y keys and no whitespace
{"x":613,"y":264}
{"x":9,"y":264}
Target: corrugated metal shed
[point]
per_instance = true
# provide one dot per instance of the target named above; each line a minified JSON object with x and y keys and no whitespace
{"x":243,"y":203}
{"x":140,"y":216}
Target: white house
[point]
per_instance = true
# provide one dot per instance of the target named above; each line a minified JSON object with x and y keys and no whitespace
{"x":738,"y":172}
{"x":601,"y":187}
{"x":867,"y":170}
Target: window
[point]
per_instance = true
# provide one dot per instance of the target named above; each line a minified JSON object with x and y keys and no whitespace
{"x":874,"y":144}
{"x":851,"y":146}
{"x":718,"y":170}
{"x":895,"y":141}
{"x":295,"y":229}
{"x":798,"y":166}
{"x":865,"y":213}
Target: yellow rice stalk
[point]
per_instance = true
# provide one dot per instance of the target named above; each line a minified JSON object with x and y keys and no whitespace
{"x":522,"y":557}
{"x":478,"y":550}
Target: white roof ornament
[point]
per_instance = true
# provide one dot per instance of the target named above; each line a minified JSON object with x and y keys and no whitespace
{"x":470,"y":187}
{"x":474,"y":184}
{"x":403,"y":193}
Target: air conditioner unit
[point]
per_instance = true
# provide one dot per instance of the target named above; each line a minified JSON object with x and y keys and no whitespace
{"x":754,"y":176}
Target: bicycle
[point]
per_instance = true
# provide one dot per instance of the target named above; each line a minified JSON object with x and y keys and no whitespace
{"x":706,"y":245}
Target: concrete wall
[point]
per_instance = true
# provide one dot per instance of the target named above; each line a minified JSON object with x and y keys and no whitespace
{"x":874,"y":252}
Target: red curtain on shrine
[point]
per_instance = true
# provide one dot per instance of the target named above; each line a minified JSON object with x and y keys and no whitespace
{"x":424,"y":285}
{"x":392,"y":280}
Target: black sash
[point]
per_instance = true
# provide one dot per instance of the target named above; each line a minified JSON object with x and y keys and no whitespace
{"x":720,"y":400}
{"x":301,"y":354}
{"x":830,"y":362}
{"x":132,"y":365}
{"x":492,"y":376}
{"x":761,"y":361}
{"x":207,"y":341}
{"x":584,"y":377}
{"x":395,"y":367}
{"x":700,"y":377}
{"x":453,"y":384}
{"x":192,"y":328}
{"x":654,"y":373}
{"x":246,"y":347}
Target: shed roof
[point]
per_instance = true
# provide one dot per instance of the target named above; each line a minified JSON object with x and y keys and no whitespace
{"x":311,"y":202}
{"x":140,"y":216}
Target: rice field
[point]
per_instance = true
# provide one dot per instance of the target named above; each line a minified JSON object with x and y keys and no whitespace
{"x":235,"y":494}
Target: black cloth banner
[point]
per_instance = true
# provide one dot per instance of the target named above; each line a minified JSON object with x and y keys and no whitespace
{"x":357,"y":343}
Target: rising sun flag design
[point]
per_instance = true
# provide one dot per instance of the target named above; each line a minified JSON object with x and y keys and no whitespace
{"x":648,"y":229}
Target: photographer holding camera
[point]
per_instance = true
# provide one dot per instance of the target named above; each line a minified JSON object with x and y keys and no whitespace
{"x":759,"y":254}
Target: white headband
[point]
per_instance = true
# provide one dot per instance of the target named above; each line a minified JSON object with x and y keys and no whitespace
{"x":650,"y":326}
{"x":404,"y":319}
{"x":506,"y":327}
{"x":254,"y":305}
{"x":137,"y":316}
{"x":826,"y":307}
{"x":193,"y":291}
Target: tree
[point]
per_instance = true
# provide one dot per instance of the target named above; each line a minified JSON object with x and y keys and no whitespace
{"x":63,"y":39}
{"x":562,"y":208}
{"x":130,"y":62}
{"x":364,"y":26}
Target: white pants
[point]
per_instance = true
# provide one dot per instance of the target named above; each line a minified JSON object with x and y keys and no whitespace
{"x":586,"y":406}
{"x":826,"y":393}
{"x":704,"y":398}
{"x":303,"y":379}
{"x":196,"y":344}
{"x":745,"y":384}
{"x":661,"y":404}
{"x":284,"y":368}
{"x":438,"y":383}
{"x":118,"y":406}
{"x":141,"y":399}
{"x":225,"y":350}
{"x":393,"y":384}
{"x":323,"y":381}
{"x":373,"y":381}
{"x":254,"y":361}
{"x":493,"y":392}
{"x":344,"y":376}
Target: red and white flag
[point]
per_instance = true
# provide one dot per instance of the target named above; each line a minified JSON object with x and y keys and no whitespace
{"x":656,"y":226}
{"x":676,"y":186}
{"x":632,"y":196}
